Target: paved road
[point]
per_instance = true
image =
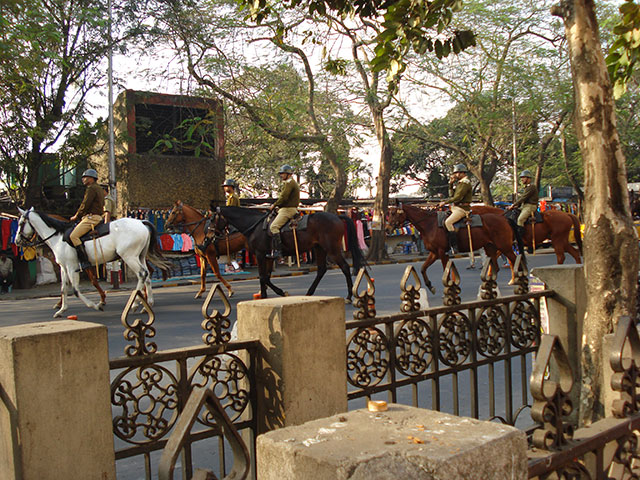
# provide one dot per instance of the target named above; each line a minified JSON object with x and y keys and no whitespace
{"x":178,"y":314}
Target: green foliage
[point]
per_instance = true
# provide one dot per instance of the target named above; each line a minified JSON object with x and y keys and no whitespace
{"x":625,"y":50}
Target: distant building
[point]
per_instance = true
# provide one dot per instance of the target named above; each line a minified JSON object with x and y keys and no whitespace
{"x":168,"y":148}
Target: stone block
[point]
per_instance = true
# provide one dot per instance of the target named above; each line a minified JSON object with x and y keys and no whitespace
{"x":402,"y":443}
{"x":303,"y":370}
{"x":55,"y":412}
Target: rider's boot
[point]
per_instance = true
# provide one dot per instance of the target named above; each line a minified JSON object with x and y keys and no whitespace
{"x":521,"y":231}
{"x":453,"y":242}
{"x":276,"y":246}
{"x":82,"y":257}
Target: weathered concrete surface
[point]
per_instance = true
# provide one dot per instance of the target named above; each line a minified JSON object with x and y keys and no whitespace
{"x":55,"y":414}
{"x":402,"y":443}
{"x":303,"y":374}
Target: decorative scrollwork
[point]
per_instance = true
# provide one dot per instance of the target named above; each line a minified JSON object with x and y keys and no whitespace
{"x":414,"y":347}
{"x":489,"y":275}
{"x":491,"y":331}
{"x":521,"y":280}
{"x":147,"y":397}
{"x":217,"y":324}
{"x":367,"y":357}
{"x":138,"y":330}
{"x":365,"y":300}
{"x":626,"y":368}
{"x":455,"y":338}
{"x":525,"y":325}
{"x":626,"y":457}
{"x":451,"y":282}
{"x":410,"y":293}
{"x":551,"y":398}
{"x":226,"y":375}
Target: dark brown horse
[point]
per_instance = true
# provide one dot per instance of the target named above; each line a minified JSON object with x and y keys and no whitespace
{"x":494,"y":235}
{"x":555,"y":226}
{"x":323,"y":235}
{"x":191,"y":221}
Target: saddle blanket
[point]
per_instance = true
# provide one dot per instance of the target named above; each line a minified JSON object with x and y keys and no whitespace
{"x":512,"y":215}
{"x":100,"y":230}
{"x":299,"y":222}
{"x":476,"y":220}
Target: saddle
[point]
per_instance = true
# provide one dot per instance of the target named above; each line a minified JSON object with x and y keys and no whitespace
{"x":299,"y":222}
{"x":512,"y":216}
{"x":473,"y":220}
{"x":100,"y":230}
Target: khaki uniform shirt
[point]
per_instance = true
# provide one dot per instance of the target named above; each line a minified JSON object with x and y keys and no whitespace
{"x":233,"y":200}
{"x":110,"y":206}
{"x":461,"y":195}
{"x":529,"y":195}
{"x":289,"y":195}
{"x":93,"y":201}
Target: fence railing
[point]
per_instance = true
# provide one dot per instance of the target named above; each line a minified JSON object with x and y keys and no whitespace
{"x":151,"y":392}
{"x":471,"y":359}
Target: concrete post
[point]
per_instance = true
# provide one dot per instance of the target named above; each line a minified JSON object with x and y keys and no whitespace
{"x":303,"y":372}
{"x":402,"y":443}
{"x":55,"y":414}
{"x":566,"y":315}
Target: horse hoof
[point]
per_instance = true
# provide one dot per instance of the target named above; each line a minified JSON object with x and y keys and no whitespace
{"x":432,"y":290}
{"x":198,"y":295}
{"x":285,"y":294}
{"x":101,"y":306}
{"x":57,"y":315}
{"x":230,"y":293}
{"x":347,"y":301}
{"x":511,"y":282}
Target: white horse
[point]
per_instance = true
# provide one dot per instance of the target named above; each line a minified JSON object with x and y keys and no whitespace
{"x":129,"y":239}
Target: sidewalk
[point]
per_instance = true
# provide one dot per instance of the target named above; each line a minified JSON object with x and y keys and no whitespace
{"x":53,"y":289}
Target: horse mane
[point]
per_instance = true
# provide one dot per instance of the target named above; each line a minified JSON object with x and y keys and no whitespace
{"x":195,"y":210}
{"x":57,"y":225}
{"x":244,"y":219}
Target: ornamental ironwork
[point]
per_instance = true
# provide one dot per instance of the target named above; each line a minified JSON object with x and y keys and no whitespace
{"x":451,"y":282}
{"x":367,"y":357}
{"x":216,"y":324}
{"x":414,"y":346}
{"x":489,"y":277}
{"x":520,"y":277}
{"x":139,"y":329}
{"x":364,"y":296}
{"x":625,"y":363}
{"x":552,"y":404}
{"x":410,"y":295}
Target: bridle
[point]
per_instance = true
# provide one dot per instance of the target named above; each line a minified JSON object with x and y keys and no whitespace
{"x":183,"y":224}
{"x":30,"y":241}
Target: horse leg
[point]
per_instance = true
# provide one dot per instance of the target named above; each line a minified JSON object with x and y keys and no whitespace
{"x":321,"y":262}
{"x":203,"y":276}
{"x":96,"y":284}
{"x":344,"y":266}
{"x":74,"y":278}
{"x":62,"y":304}
{"x":213,"y":261}
{"x":266,"y":277}
{"x":427,"y":263}
{"x":139,"y":268}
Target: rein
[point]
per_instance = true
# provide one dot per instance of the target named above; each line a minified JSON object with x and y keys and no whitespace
{"x":30,"y":242}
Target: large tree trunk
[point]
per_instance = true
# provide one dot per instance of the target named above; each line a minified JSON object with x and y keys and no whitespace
{"x":377,"y":249}
{"x":340,"y":185}
{"x":610,"y":242}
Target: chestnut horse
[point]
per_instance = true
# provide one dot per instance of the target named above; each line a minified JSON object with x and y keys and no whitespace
{"x":494,"y":235}
{"x":555,"y":226}
{"x":191,"y":221}
{"x":323,"y":234}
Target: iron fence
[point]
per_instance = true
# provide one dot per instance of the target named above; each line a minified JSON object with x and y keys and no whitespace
{"x":157,"y":398}
{"x":471,"y":359}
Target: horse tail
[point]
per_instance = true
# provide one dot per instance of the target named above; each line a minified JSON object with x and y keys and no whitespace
{"x":577,"y":234}
{"x":519,"y":241}
{"x":352,"y":242}
{"x":154,"y":254}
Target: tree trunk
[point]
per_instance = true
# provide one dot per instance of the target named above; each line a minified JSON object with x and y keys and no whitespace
{"x":485,"y":191}
{"x":337,"y":193}
{"x":377,"y":249}
{"x":610,"y":242}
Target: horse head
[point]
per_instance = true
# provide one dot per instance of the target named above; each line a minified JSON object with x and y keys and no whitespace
{"x":396,"y":217}
{"x":218,"y":220}
{"x":25,"y":233}
{"x":176,"y":217}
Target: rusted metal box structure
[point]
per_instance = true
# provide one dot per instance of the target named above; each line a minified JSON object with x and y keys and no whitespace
{"x":168,"y":148}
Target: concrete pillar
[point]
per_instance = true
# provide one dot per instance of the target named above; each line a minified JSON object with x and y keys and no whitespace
{"x":303,"y":372}
{"x":402,"y":443}
{"x":566,"y":315}
{"x":55,"y":412}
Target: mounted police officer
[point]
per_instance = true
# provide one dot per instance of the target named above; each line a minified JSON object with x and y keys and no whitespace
{"x":90,"y":214}
{"x":230,"y":187}
{"x":287,"y":204}
{"x":460,"y":193}
{"x":528,"y":198}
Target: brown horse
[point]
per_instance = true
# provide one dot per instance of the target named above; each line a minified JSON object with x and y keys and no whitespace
{"x":193,"y":222}
{"x":555,"y":226}
{"x":494,"y":235}
{"x":323,"y":234}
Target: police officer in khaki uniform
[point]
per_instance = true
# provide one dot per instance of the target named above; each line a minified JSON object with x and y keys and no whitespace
{"x":90,"y":212}
{"x":460,"y":193}
{"x":528,"y":199}
{"x":230,"y":186}
{"x":287,"y":204}
{"x":109,"y":205}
